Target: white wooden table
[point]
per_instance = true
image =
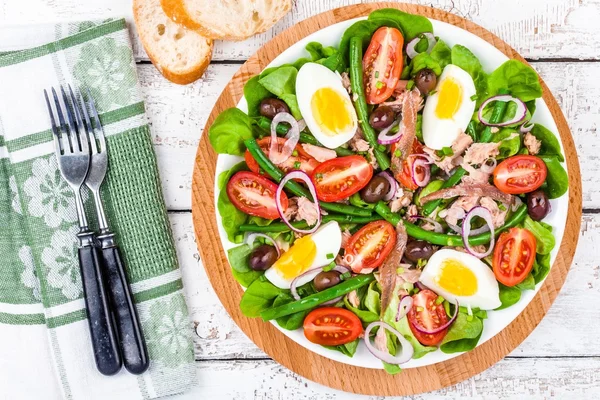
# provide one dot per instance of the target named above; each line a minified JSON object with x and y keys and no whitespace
{"x":561,"y":358}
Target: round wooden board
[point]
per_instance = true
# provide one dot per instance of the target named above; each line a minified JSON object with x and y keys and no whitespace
{"x":320,"y":369}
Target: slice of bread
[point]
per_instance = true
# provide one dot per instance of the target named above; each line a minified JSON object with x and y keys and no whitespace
{"x":227,"y":19}
{"x":180,"y":54}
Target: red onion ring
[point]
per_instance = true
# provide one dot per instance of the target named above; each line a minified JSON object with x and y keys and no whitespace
{"x":428,"y":159}
{"x":526,"y":127}
{"x":420,"y":182}
{"x":407,"y":349}
{"x":516,"y":203}
{"x":420,"y":286}
{"x":393,"y":185}
{"x":458,"y":229}
{"x":466,"y":230}
{"x":410,"y":47}
{"x":251,"y":237}
{"x":404,"y":307}
{"x":438,"y":329}
{"x":383,"y":137}
{"x":520,"y":114}
{"x":436,"y":225}
{"x":311,"y":187}
{"x":301,"y":125}
{"x":292,"y":137}
{"x":488,"y":168}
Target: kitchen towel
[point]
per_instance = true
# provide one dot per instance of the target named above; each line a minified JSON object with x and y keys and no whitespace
{"x":45,"y":348}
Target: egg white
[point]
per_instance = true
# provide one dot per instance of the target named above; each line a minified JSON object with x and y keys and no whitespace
{"x":328,"y":240}
{"x":487,"y":295}
{"x":310,"y":78}
{"x":439,"y":133}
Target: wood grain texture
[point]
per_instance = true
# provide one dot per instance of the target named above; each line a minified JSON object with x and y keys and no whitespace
{"x":320,"y":369}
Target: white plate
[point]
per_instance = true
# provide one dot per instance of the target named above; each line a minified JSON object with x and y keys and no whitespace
{"x":490,"y":58}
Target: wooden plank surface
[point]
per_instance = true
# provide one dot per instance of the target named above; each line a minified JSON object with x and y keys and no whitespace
{"x":561,"y":357}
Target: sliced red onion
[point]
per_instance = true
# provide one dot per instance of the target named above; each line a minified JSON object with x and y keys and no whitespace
{"x":484,"y":213}
{"x":420,"y":286}
{"x":520,"y":114}
{"x":251,"y":237}
{"x":383,"y":137}
{"x":332,"y":302}
{"x":526,"y":127}
{"x":410,"y":47}
{"x":421,"y":180}
{"x":393,"y":185}
{"x":301,"y":125}
{"x":437,"y":227}
{"x":407,"y":349}
{"x":426,"y":157}
{"x":404,"y":307}
{"x":311,"y":187}
{"x":489,"y":165}
{"x":293,"y":135}
{"x":422,"y":329}
{"x":341,"y":269}
{"x":296,"y":279}
{"x":516,"y":203}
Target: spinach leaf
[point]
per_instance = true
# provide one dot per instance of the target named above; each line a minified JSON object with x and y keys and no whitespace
{"x":527,"y":284}
{"x":365,"y":316}
{"x":259,"y":296}
{"x":231,"y":217}
{"x":422,"y":61}
{"x":254,"y":93}
{"x":348,"y":349}
{"x":520,"y":80}
{"x":441,"y":53}
{"x":550,"y":144}
{"x":508,"y":147}
{"x":228,"y":132}
{"x":409,"y":24}
{"x":238,"y":259}
{"x":463,"y":58}
{"x":557,"y":180}
{"x":508,"y":296}
{"x":372,"y":299}
{"x":541,"y":267}
{"x":544,"y":238}
{"x":463,"y":335}
{"x":293,"y":321}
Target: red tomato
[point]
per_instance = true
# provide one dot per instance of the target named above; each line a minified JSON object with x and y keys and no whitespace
{"x":371,"y":245}
{"x":255,"y":195}
{"x":514,"y":256}
{"x":520,"y":174}
{"x":428,"y":315}
{"x":405,"y":176}
{"x":332,"y":326}
{"x":341,"y":177}
{"x":382,"y":64}
{"x":302,"y":161}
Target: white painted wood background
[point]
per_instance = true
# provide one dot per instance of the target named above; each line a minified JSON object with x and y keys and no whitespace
{"x":561,"y":358}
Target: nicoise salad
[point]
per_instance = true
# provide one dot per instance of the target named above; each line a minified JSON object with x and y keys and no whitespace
{"x":391,"y":191}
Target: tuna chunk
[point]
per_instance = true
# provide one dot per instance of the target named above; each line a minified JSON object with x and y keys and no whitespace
{"x":320,"y":154}
{"x":478,"y":153}
{"x":498,"y":216}
{"x":532,"y":144}
{"x":476,"y":176}
{"x":448,"y":163}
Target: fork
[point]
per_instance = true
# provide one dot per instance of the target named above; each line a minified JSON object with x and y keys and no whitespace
{"x":133,"y":346}
{"x":73,"y":155}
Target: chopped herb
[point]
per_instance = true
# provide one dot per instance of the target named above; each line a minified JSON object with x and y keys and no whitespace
{"x":502,"y":207}
{"x":398,"y":153}
{"x":439,"y":300}
{"x":400,"y":270}
{"x":419,"y":309}
{"x":329,"y":267}
{"x":379,"y":85}
{"x":376,"y":74}
{"x":421,"y":262}
{"x":474,"y":97}
{"x":297,"y":164}
{"x":345,"y":275}
{"x":410,"y":85}
{"x":432,"y":93}
{"x":447,"y":151}
{"x":415,"y":290}
{"x":329,"y":256}
{"x":295,"y":153}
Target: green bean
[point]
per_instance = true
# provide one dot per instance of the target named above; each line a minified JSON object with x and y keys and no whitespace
{"x":360,"y":102}
{"x":294,"y":187}
{"x":282,"y":227}
{"x":453,"y":180}
{"x":265,"y":124}
{"x":442,"y":239}
{"x":496,"y":117}
{"x":310,"y":302}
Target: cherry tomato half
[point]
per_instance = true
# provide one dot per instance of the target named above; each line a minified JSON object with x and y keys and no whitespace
{"x":332,"y":326}
{"x":301,"y":161}
{"x":371,"y":245}
{"x":255,"y":195}
{"x":514,"y":256}
{"x":428,"y":315}
{"x":382,"y":64}
{"x":520,"y":174}
{"x":341,"y":177}
{"x":405,"y":176}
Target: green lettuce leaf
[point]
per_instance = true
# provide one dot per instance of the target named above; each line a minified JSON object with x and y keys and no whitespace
{"x":463,"y":335}
{"x":441,"y":53}
{"x":348,"y":349}
{"x":259,"y":296}
{"x":254,"y":93}
{"x":465,"y":59}
{"x":411,"y":25}
{"x":228,"y":132}
{"x":238,"y":259}
{"x":557,"y":181}
{"x":541,"y":267}
{"x":508,"y":296}
{"x":422,"y":61}
{"x":231,"y":217}
{"x":544,"y":238}
{"x":520,"y":80}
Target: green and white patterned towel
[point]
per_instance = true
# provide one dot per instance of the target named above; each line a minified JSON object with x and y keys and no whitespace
{"x":45,"y":348}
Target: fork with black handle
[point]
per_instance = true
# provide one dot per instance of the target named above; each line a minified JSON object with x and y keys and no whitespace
{"x":73,"y":155}
{"x":133,"y":346}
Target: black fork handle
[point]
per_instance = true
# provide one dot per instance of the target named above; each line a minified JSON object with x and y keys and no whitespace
{"x":133,"y":345}
{"x":100,"y":319}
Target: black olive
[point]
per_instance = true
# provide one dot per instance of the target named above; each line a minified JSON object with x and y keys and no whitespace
{"x":418,"y":250}
{"x":538,"y":205}
{"x":326,"y":279}
{"x":375,"y":190}
{"x":270,"y":107}
{"x":262,"y":257}
{"x":425,"y":81}
{"x":382,"y":117}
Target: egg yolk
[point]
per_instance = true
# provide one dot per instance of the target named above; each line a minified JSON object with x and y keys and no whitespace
{"x":330,"y":111}
{"x":449,"y":98}
{"x":297,"y":259}
{"x":456,"y":278}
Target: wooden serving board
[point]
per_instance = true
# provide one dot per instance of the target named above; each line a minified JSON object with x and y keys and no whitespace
{"x":323,"y":370}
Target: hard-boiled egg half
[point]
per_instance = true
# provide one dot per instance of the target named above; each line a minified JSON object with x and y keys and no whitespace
{"x":311,"y":251}
{"x":325,"y":105}
{"x":463,"y":278}
{"x":448,"y":111}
